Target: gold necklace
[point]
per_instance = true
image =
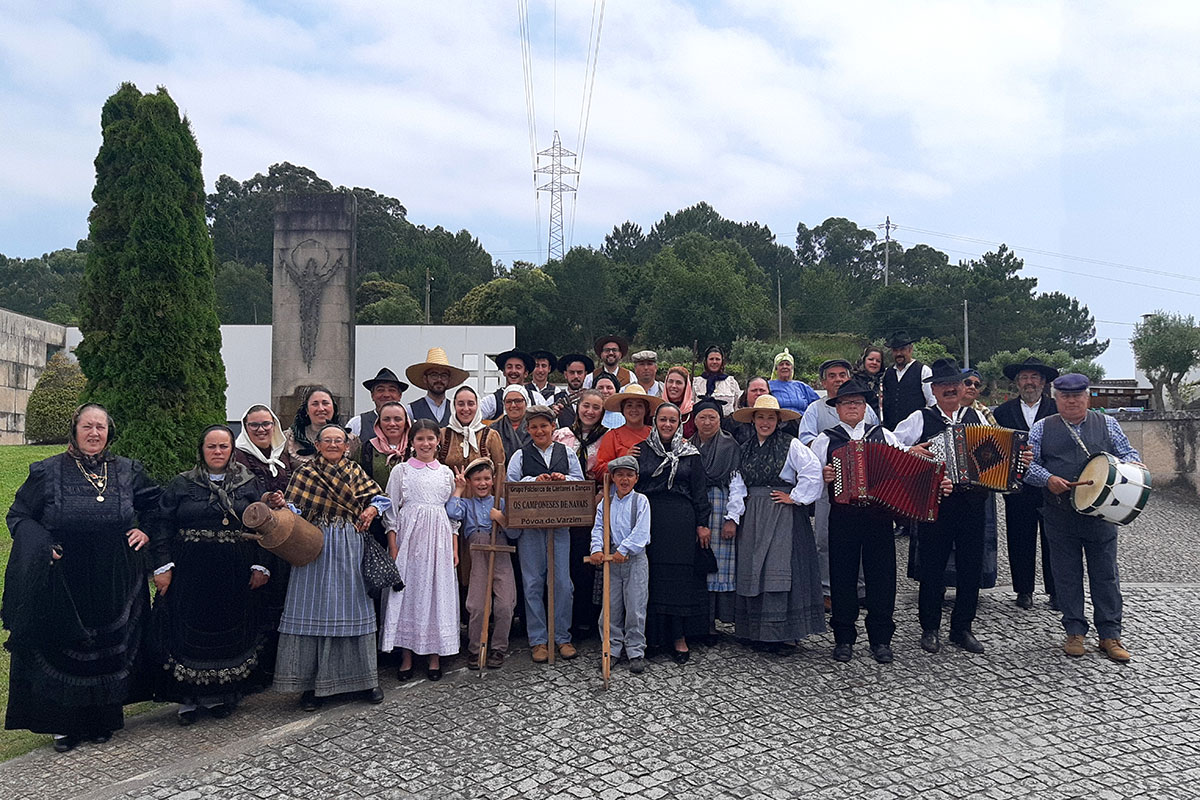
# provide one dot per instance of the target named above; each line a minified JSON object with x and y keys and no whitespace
{"x":98,"y":482}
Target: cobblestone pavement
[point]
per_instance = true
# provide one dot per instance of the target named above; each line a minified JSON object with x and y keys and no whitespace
{"x":1023,"y":720}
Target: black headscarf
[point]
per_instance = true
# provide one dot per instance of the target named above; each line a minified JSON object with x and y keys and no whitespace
{"x":721,"y":454}
{"x":236,"y":474}
{"x":711,"y":379}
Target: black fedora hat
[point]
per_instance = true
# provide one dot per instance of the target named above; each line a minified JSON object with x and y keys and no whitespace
{"x":503,"y":358}
{"x":1011,"y":371}
{"x":945,"y":370}
{"x":571,"y":358}
{"x":850,"y":388}
{"x":385,"y":375}
{"x":899,"y":339}
{"x":619,"y":341}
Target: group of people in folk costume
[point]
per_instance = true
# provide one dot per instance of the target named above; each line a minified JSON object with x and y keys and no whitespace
{"x":719,"y":510}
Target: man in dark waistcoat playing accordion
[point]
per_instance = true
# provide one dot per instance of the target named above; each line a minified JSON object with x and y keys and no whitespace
{"x":858,"y":535}
{"x":960,"y":523}
{"x":1062,"y":445}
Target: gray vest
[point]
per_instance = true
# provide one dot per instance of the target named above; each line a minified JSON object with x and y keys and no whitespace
{"x":1063,"y":456}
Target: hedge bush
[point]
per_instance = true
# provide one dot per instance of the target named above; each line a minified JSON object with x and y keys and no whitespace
{"x":53,"y":401}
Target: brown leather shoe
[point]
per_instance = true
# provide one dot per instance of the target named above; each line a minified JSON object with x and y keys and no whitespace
{"x":567,"y":650}
{"x":1074,"y":645}
{"x":540,"y":654}
{"x":495,"y":659}
{"x":1115,"y":650}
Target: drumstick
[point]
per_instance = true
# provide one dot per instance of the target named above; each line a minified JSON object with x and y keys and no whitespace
{"x":1073,"y":484}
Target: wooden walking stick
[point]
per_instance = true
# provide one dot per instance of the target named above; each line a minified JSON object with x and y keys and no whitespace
{"x":491,"y":549}
{"x":606,"y":612}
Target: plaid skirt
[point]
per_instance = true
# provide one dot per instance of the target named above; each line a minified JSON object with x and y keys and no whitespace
{"x":725,"y":578}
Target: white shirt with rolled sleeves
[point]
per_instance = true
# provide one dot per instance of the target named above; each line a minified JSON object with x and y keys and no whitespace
{"x":800,"y":469}
{"x":820,"y":445}
{"x":626,"y":540}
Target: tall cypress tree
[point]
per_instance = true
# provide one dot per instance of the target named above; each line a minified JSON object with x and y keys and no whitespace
{"x":151,"y":339}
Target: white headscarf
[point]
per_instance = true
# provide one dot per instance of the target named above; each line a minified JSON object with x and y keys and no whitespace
{"x":469,"y":440}
{"x":278,"y":442}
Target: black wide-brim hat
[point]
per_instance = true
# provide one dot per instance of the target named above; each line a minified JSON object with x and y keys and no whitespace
{"x":619,"y":341}
{"x":898,"y":340}
{"x":849,"y":389}
{"x":546,"y":354}
{"x":945,"y":370}
{"x":385,"y":375}
{"x":570,"y":358}
{"x":503,"y":358}
{"x":1011,"y":371}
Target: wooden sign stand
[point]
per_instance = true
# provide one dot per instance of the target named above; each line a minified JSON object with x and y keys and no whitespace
{"x":491,"y":549}
{"x":605,"y":614}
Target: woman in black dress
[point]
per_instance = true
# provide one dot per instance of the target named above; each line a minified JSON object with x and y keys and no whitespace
{"x":75,"y":593}
{"x":672,"y":477}
{"x":209,"y":606}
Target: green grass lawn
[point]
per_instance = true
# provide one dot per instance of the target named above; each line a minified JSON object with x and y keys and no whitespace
{"x":14,"y":469}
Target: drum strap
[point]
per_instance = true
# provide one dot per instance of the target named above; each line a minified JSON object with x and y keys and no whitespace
{"x":1078,"y":441}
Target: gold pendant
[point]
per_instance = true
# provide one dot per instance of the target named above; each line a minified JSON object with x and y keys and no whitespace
{"x":99,"y":498}
{"x":225,"y":521}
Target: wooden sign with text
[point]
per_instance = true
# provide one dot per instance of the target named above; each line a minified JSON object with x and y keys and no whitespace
{"x":550,"y":504}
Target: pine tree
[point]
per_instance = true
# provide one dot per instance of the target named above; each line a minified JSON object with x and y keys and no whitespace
{"x":151,"y":339}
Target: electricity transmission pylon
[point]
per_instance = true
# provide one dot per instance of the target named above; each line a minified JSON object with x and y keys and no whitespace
{"x":556,"y":186}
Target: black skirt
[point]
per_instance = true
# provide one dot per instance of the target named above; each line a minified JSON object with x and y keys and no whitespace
{"x":678,"y":605}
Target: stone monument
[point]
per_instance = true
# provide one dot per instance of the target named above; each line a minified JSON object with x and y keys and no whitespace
{"x":312,"y":330}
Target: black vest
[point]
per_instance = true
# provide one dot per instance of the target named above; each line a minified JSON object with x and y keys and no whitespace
{"x":532,"y":464}
{"x":1062,"y":455}
{"x":934,"y":424}
{"x":422,"y":410}
{"x":366,"y":423}
{"x":904,"y":396}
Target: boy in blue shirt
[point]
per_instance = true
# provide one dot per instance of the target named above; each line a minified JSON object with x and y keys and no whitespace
{"x":476,"y":512}
{"x":629,"y":575}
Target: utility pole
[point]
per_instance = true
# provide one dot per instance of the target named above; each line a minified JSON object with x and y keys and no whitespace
{"x":966,"y":338}
{"x":886,"y":227}
{"x":556,"y":186}
{"x":428,"y":280}
{"x":779,"y":302}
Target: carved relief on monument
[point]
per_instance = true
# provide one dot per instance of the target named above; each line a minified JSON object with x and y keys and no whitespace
{"x":308,"y":265}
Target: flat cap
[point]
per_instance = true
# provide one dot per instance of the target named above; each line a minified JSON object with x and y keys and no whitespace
{"x":533,"y":412}
{"x":645,"y":355}
{"x":623,"y":462}
{"x":1072,"y":382}
{"x":833,"y":362}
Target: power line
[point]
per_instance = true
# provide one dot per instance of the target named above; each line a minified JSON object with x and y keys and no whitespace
{"x":1038,"y":251}
{"x":585,"y":105}
{"x":530,"y":107}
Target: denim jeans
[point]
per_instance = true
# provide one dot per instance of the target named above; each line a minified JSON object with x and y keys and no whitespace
{"x":531,"y":551}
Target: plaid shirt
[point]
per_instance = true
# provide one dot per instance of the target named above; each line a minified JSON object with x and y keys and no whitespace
{"x":324,"y":491}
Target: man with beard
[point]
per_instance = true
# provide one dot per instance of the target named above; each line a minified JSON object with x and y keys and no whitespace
{"x":576,"y":368}
{"x":436,"y":376}
{"x":385,"y":387}
{"x":1022,"y":510}
{"x":611,"y":350}
{"x":516,"y":364}
{"x":905,"y":383}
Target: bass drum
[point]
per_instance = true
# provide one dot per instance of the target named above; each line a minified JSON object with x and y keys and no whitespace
{"x":1118,"y":491}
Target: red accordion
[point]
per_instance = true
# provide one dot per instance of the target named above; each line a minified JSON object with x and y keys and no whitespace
{"x":866,"y":473}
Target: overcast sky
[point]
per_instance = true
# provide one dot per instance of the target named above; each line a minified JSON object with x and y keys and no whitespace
{"x":1068,"y":130}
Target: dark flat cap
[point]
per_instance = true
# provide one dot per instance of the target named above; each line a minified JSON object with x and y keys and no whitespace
{"x":1072,"y":382}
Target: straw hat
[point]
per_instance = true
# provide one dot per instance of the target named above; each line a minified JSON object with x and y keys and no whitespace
{"x":435,"y":358}
{"x":633,"y":390}
{"x":765,"y":402}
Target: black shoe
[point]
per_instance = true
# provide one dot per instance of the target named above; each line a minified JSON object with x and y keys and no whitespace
{"x":966,"y":640}
{"x":404,"y":674}
{"x":1025,"y":600}
{"x":843,"y":652}
{"x":881,"y":653}
{"x":222,"y":711}
{"x":187,"y":718}
{"x":309,"y":701}
{"x":100,"y":738}
{"x":434,"y":674}
{"x":1053,"y":604}
{"x":930,"y":642}
{"x":473,"y":661}
{"x":681,"y":656}
{"x":66,"y":744}
{"x":373,"y":696}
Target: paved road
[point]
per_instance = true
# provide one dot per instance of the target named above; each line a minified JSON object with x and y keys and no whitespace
{"x":1023,"y":720}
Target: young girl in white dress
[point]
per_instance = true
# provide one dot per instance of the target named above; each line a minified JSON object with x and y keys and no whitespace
{"x":423,"y":618}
